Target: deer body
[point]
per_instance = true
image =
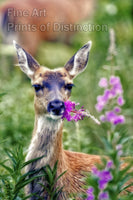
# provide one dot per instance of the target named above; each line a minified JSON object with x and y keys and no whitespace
{"x":52,"y":89}
{"x":48,"y":20}
{"x":48,"y":141}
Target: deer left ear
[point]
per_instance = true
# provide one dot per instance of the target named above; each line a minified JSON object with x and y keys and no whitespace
{"x":26,"y":62}
{"x":78,"y":62}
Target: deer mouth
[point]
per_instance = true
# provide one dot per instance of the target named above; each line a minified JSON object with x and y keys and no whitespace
{"x":56,"y":108}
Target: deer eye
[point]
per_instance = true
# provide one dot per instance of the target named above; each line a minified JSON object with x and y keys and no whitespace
{"x":38,"y":87}
{"x":69,"y":86}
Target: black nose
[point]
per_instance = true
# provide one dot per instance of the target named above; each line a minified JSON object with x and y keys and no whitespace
{"x":56,"y":107}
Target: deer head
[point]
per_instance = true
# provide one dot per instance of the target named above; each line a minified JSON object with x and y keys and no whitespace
{"x":52,"y":87}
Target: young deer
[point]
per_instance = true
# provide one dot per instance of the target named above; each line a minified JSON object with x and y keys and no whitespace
{"x":48,"y":20}
{"x":52,"y":89}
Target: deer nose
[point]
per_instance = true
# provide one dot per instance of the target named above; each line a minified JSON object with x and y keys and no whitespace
{"x":56,"y":107}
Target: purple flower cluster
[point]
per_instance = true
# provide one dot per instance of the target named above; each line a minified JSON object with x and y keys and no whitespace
{"x":104,"y":176}
{"x":103,"y":196}
{"x":113,"y":96}
{"x":119,"y":150}
{"x":71,"y":113}
{"x":90,"y":195}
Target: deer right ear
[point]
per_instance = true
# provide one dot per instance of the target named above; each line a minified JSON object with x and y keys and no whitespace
{"x":26,"y":62}
{"x":78,"y":62}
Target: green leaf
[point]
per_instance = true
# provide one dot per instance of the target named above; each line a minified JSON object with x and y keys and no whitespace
{"x":20,"y":186}
{"x":7,"y":168}
{"x":55,"y":169}
{"x":11,"y":155}
{"x":22,"y":178}
{"x":45,"y":187}
{"x":50,"y":175}
{"x":57,"y":192}
{"x":127,"y":186}
{"x":2,"y":94}
{"x":125,"y":170}
{"x":60,"y":176}
{"x":31,"y":161}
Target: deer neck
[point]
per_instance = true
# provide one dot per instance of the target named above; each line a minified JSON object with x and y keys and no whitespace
{"x":46,"y":140}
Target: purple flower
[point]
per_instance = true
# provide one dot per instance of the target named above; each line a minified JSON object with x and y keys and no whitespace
{"x":119,"y":147}
{"x":103,"y":196}
{"x":69,"y":105}
{"x":78,"y":116}
{"x":99,"y":98}
{"x":118,"y":89}
{"x":102,"y":101}
{"x":104,"y":177}
{"x":103,"y":83}
{"x":120,"y":100}
{"x":114,"y":80}
{"x":72,"y":114}
{"x":99,"y":107}
{"x":117,"y":109}
{"x":120,"y":153}
{"x":110,"y":116}
{"x":67,"y":115}
{"x":112,"y":95}
{"x":90,"y":195}
{"x":116,"y":84}
{"x":102,"y":184}
{"x":113,"y":92}
{"x":103,"y":118}
{"x":119,"y":119}
{"x":109,"y":164}
{"x":119,"y":150}
{"x":95,"y":171}
{"x":108,"y":95}
{"x":115,"y":119}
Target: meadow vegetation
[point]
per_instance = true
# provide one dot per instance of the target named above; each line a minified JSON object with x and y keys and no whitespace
{"x":16,"y":93}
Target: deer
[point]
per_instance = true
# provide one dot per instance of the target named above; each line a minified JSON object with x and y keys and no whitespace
{"x":43,"y":20}
{"x":52,"y":89}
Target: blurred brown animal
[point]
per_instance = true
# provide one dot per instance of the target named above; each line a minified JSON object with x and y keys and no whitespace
{"x":29,"y":22}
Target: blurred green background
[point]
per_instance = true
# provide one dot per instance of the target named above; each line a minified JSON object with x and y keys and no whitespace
{"x":16,"y":99}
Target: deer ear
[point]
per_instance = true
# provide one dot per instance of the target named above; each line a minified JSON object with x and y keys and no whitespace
{"x":78,"y":62}
{"x":26,"y":62}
